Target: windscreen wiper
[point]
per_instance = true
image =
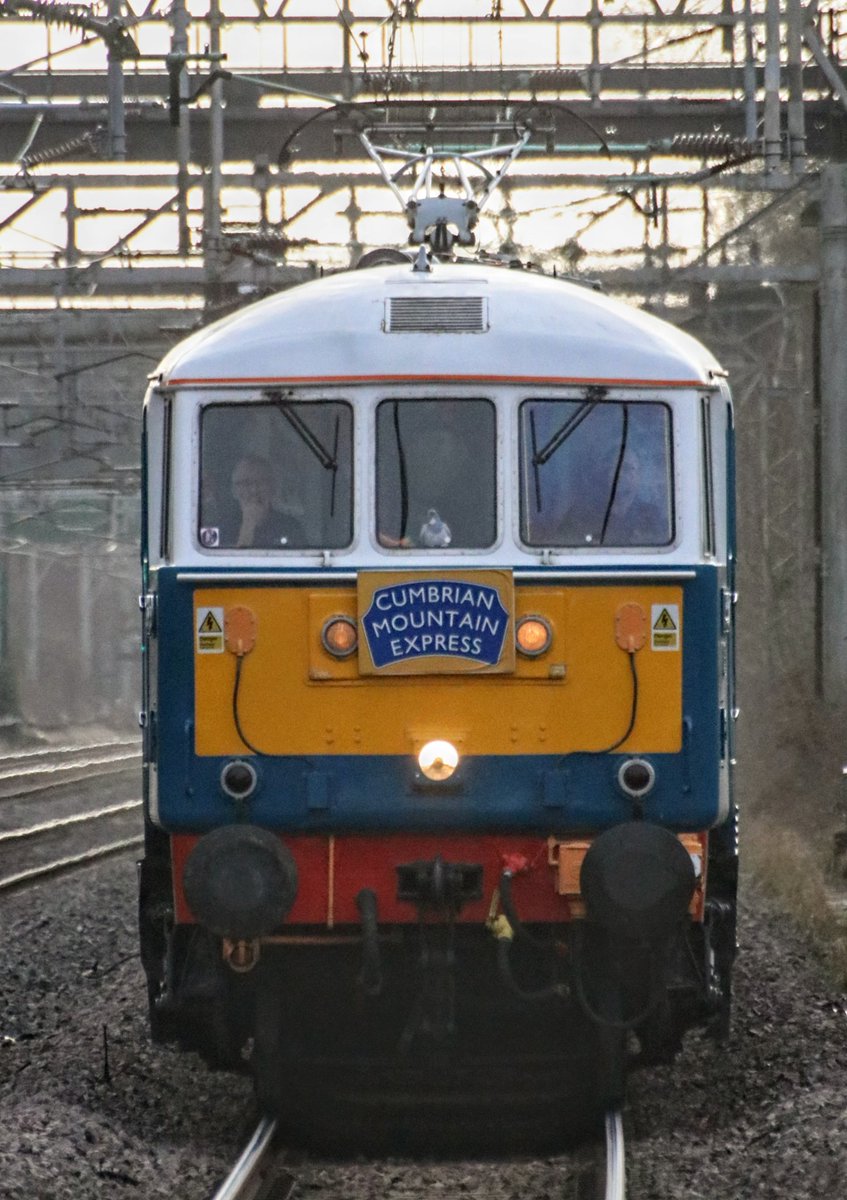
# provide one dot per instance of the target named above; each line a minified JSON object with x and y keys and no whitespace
{"x":327,"y":459}
{"x":402,"y":471}
{"x":593,"y":396}
{"x":621,"y":451}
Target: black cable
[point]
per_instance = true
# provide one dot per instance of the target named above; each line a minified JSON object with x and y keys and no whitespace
{"x":283,"y":155}
{"x":509,"y":909}
{"x":352,"y":107}
{"x":348,"y":106}
{"x":633,"y":713}
{"x":591,"y":1012}
{"x":504,"y":946}
{"x":695,"y":961}
{"x":559,"y":106}
{"x":637,"y":807}
{"x":239,"y":661}
{"x":370,"y":977}
{"x":505,"y":943}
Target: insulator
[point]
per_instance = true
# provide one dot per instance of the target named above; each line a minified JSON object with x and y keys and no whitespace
{"x":76,"y":16}
{"x":709,"y":143}
{"x":555,"y":79}
{"x":86,"y":141}
{"x":393,"y":83}
{"x":257,"y":242}
{"x":248,"y":237}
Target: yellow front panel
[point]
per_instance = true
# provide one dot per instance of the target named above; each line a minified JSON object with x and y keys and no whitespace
{"x":295,"y":698}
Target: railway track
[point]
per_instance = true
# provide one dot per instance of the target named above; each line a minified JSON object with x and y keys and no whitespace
{"x":40,"y":770}
{"x":259,"y":1173}
{"x":39,"y":838}
{"x":601,"y":1166}
{"x":71,"y":862}
{"x":615,"y":1158}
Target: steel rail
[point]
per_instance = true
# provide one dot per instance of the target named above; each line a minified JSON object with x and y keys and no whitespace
{"x":245,"y":1174}
{"x":14,"y":772}
{"x":15,"y":835}
{"x":64,"y":865}
{"x":615,"y":1164}
{"x":55,"y":751}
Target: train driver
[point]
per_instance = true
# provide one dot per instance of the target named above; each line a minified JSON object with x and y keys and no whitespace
{"x":640,"y":514}
{"x":260,"y":523}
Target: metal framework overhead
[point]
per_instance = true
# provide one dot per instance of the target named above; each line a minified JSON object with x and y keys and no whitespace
{"x":163,"y":160}
{"x":210,"y":150}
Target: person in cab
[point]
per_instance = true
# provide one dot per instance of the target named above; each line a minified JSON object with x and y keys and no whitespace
{"x":260,"y":524}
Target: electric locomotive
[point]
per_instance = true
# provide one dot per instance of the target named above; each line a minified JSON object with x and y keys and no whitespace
{"x":438,"y":580}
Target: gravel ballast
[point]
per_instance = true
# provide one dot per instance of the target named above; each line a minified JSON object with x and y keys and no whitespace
{"x":89,"y":1108}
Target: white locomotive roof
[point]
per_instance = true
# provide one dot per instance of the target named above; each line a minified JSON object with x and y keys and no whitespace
{"x":538,"y":328}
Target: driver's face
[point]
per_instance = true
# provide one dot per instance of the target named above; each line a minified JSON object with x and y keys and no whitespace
{"x":251,"y":485}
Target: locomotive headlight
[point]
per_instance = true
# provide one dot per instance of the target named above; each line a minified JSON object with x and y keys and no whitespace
{"x":533,"y":635}
{"x":438,"y":759}
{"x":340,"y":636}
{"x":636,"y":777}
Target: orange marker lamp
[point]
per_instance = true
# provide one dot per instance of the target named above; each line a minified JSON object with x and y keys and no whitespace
{"x":533,"y":635}
{"x":340,"y":636}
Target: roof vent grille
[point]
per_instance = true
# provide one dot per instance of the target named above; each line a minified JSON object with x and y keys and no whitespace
{"x":436,"y":314}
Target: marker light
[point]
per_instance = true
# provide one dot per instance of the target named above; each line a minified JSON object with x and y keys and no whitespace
{"x":340,"y":636}
{"x":533,"y":636}
{"x":438,"y":760}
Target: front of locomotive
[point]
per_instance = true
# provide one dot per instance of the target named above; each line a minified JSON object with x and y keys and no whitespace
{"x":438,"y":610}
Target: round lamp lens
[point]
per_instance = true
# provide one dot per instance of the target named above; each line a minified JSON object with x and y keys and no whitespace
{"x":533,"y":636}
{"x":438,"y":760}
{"x":340,"y":636}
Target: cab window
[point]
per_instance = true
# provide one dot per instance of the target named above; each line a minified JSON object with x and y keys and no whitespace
{"x":596,"y":473}
{"x":436,"y":472}
{"x":276,"y":475}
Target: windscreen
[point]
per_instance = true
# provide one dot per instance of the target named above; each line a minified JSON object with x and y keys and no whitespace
{"x":596,"y":472}
{"x":436,"y":474}
{"x":276,"y":475}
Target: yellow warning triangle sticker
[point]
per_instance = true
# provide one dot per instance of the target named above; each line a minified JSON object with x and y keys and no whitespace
{"x":663,"y":621}
{"x":210,"y":624}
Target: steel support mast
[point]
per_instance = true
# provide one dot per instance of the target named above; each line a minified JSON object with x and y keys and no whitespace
{"x":833,"y":395}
